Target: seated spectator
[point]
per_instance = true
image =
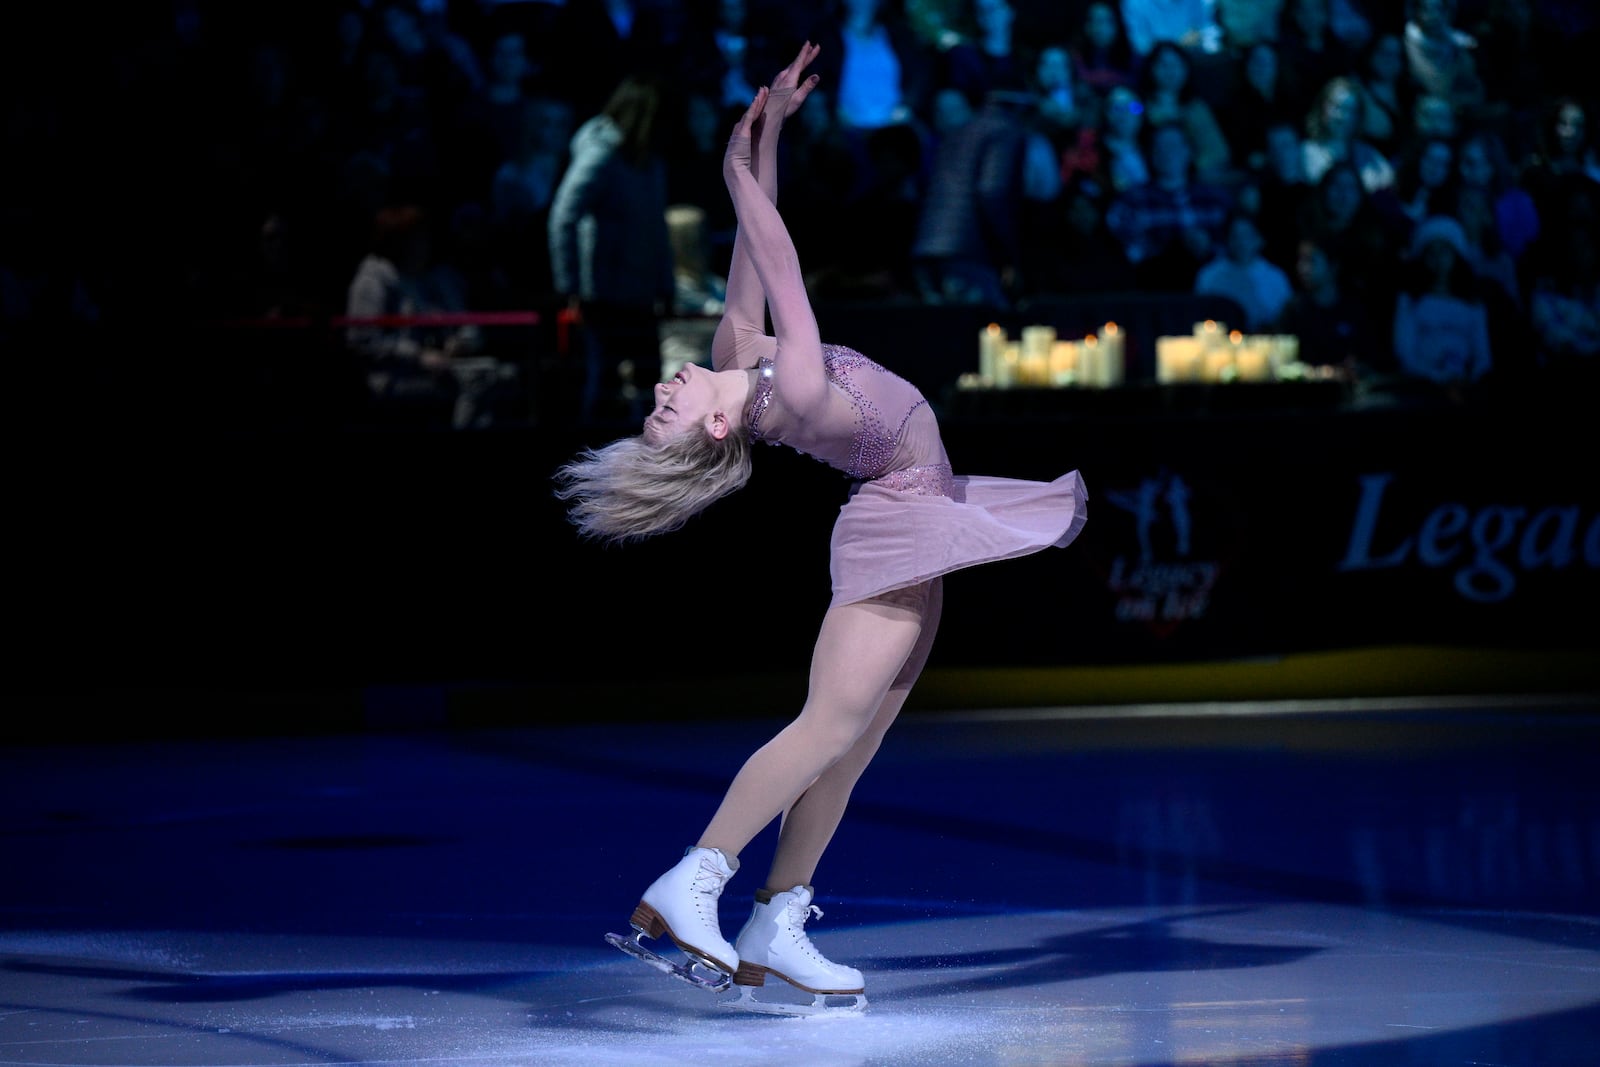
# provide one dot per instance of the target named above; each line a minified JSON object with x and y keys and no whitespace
{"x":1276,"y":192}
{"x":1335,"y":328}
{"x":1247,"y":23}
{"x":1483,"y":163}
{"x":1473,"y":208}
{"x":1333,"y":136}
{"x":1258,"y":103}
{"x":1101,"y":53}
{"x":1073,"y":250}
{"x":1562,"y":173}
{"x":437,"y":372}
{"x":1062,"y":107}
{"x":1113,"y":151}
{"x":1167,"y":87}
{"x":1441,"y":326}
{"x":1239,"y":271}
{"x":987,"y":60}
{"x":1189,"y":24}
{"x":1564,"y":299}
{"x":1439,"y":55}
{"x":1424,"y":181}
{"x":1341,"y":216}
{"x":1386,"y":94}
{"x":1310,"y":52}
{"x":1171,"y":225}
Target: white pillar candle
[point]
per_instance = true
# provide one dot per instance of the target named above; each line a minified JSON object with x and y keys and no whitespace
{"x":991,"y":343}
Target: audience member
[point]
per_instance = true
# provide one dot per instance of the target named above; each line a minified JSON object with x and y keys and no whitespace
{"x":1500,"y":285}
{"x":1256,"y":104}
{"x":1562,"y":171}
{"x":421,"y":368}
{"x":610,"y":255}
{"x":1310,"y":53}
{"x":1441,"y":326}
{"x":1564,"y":299}
{"x":727,"y":52}
{"x":1167,"y":86}
{"x":1189,"y":24}
{"x":1062,"y":107}
{"x":1483,"y":163}
{"x":1239,"y":271}
{"x":489,"y":125}
{"x":1340,"y":216}
{"x":1386,"y":94}
{"x":1073,"y":250}
{"x":1247,"y":23}
{"x":987,"y":61}
{"x":1333,"y":135}
{"x":1169,"y":226}
{"x":523,"y":187}
{"x":871,"y":59}
{"x":1101,"y":52}
{"x":1276,"y":192}
{"x":1113,"y":153}
{"x":1439,"y":55}
{"x":968,"y":239}
{"x":1335,"y":328}
{"x":1424,"y":180}
{"x":1513,"y":57}
{"x":596,"y":44}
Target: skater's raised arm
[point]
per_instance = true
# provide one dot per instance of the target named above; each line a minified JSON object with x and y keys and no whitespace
{"x":798,"y":368}
{"x":741,"y":338}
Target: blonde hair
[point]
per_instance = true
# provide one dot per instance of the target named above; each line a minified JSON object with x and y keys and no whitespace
{"x":630,"y":489}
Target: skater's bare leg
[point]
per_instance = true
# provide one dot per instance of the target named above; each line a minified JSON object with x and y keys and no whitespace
{"x":859,"y":653}
{"x":809,"y":824}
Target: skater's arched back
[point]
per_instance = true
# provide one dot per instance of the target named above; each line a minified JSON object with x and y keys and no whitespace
{"x":908,"y":520}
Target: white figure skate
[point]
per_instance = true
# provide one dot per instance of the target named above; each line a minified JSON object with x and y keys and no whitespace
{"x":774,"y":942}
{"x":683,"y":905}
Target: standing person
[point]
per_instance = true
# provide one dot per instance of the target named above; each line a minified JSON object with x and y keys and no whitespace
{"x":610,"y":252}
{"x":908,"y":521}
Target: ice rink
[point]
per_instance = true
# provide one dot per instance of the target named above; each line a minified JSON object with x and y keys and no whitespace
{"x":1401,"y":882}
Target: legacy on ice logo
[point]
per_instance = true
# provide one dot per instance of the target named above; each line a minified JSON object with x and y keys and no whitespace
{"x":1161,"y":587}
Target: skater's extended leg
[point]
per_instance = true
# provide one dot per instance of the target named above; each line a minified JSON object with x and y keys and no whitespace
{"x":809,"y":825}
{"x":859,"y":653}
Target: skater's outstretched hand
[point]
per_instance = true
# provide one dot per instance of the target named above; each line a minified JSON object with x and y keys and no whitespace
{"x":788,"y":90}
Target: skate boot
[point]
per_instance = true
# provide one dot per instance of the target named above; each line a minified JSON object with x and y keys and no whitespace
{"x":774,"y":942}
{"x":683,"y":905}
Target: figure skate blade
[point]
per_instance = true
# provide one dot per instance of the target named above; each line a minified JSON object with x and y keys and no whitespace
{"x":713,"y":980}
{"x":822,"y":1005}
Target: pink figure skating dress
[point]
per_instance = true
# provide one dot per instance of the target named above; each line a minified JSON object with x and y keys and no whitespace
{"x":909,"y":518}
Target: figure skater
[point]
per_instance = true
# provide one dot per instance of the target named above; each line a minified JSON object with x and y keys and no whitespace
{"x":907,"y":521}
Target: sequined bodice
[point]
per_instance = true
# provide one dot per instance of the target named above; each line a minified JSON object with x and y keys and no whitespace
{"x":892,"y":428}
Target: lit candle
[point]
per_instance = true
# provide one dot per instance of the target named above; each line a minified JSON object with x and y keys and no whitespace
{"x":1253,"y":365}
{"x":1063,"y":362}
{"x":1116,"y":354}
{"x":991,"y":342}
{"x":1007,"y":371}
{"x":1036,"y":342}
{"x":1177,"y":359}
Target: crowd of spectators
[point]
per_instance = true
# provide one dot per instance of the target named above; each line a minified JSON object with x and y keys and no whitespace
{"x":1412,"y":184}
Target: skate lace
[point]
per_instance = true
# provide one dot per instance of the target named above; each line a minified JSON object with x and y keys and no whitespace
{"x":710,"y":881}
{"x":798,"y":915}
